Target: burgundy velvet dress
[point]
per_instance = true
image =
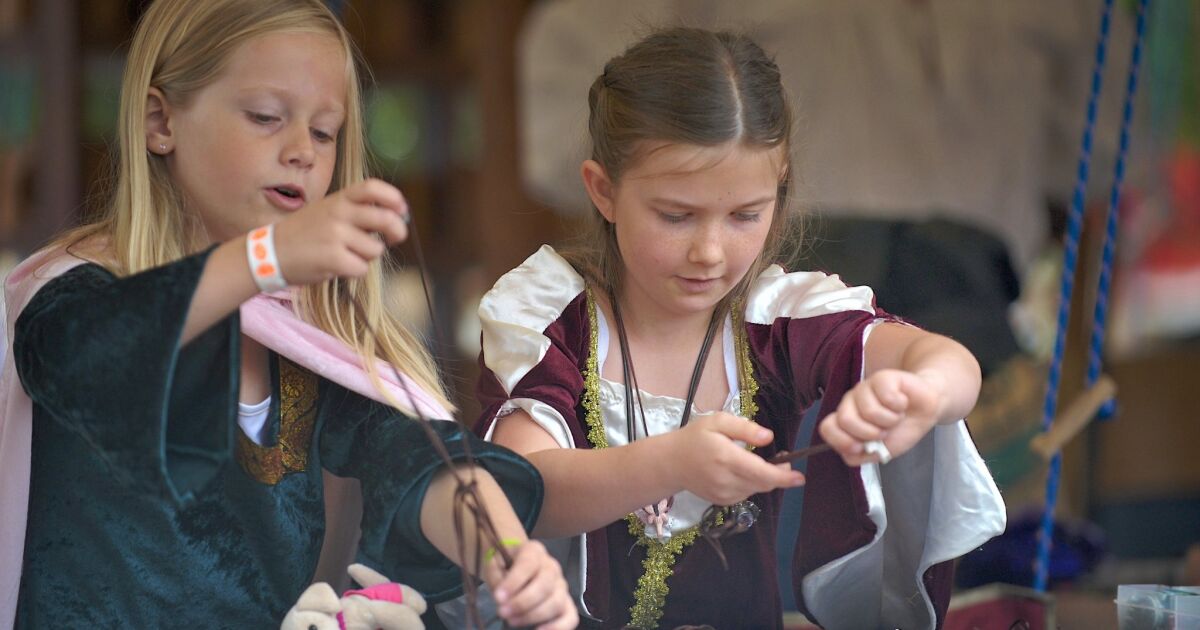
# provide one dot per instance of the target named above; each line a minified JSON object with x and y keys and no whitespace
{"x":875,"y":542}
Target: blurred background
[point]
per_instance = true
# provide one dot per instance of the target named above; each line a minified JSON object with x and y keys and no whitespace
{"x":937,"y":148}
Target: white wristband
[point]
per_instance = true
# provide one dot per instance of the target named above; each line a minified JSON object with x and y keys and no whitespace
{"x":264,"y":265}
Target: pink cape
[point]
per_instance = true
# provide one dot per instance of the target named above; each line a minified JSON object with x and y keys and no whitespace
{"x":266,"y":319}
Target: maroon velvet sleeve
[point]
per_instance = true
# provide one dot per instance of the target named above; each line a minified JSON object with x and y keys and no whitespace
{"x":556,"y":381}
{"x":826,"y":354}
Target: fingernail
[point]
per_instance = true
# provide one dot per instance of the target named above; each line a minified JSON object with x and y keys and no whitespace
{"x":763,"y":434}
{"x":501,"y":595}
{"x":505,"y":611}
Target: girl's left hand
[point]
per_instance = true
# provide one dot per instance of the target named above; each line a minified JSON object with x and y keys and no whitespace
{"x":533,"y":591}
{"x":892,"y":406}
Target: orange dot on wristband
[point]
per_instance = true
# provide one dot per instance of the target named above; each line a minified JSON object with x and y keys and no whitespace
{"x":259,"y":233}
{"x":260,"y":251}
{"x":265,"y":270}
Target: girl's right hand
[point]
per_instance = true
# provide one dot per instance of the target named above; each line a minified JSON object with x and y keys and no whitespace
{"x":709,"y":462}
{"x":339,"y":235}
{"x":533,"y":591}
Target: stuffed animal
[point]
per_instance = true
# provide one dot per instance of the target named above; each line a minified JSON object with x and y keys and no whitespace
{"x":380,"y":605}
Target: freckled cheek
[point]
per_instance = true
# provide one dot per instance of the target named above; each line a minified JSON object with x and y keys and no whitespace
{"x":748,"y":248}
{"x":657,"y":260}
{"x":670,"y":256}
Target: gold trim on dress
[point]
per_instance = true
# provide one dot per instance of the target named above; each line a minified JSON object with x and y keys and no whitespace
{"x":297,"y":416}
{"x":650,"y":597}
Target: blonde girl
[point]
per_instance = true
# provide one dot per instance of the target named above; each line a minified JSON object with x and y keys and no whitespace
{"x":184,"y":369}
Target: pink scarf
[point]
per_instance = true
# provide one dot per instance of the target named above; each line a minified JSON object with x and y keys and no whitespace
{"x":266,"y":319}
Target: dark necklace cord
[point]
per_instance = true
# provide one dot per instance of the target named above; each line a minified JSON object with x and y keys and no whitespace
{"x":698,"y":370}
{"x":717,"y":521}
{"x":630,"y":376}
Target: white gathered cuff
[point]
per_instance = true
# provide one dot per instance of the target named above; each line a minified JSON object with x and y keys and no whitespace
{"x":544,"y":415}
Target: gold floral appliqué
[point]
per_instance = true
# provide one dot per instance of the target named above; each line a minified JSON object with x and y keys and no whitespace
{"x":297,"y":416}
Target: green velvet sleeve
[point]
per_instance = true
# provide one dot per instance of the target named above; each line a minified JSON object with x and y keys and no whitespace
{"x":392,"y":457}
{"x":101,"y":355}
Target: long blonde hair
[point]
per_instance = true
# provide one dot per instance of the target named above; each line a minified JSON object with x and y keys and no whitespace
{"x":180,"y":47}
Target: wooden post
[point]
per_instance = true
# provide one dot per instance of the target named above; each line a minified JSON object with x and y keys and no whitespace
{"x":510,"y":224}
{"x":56,"y":147}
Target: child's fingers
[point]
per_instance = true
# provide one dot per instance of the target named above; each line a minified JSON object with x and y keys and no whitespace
{"x":762,"y":476}
{"x":515,"y":577}
{"x":737,"y":473}
{"x":858,"y":429}
{"x":567,"y":620}
{"x":872,"y":410}
{"x":365,"y":245}
{"x":380,"y":220}
{"x":858,"y":423}
{"x":921,"y":395}
{"x":563,"y":615}
{"x":847,"y":446}
{"x":747,"y":431}
{"x":348,"y":264}
{"x":377,"y":192}
{"x":544,"y":611}
{"x":787,"y":467}
{"x":886,"y":387}
{"x":535,"y":603}
{"x":850,"y":420}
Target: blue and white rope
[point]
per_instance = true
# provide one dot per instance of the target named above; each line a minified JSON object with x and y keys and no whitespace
{"x":1070,"y":259}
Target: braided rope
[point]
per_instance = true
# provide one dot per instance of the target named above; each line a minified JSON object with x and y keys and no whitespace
{"x":1099,"y":320}
{"x":1070,"y":258}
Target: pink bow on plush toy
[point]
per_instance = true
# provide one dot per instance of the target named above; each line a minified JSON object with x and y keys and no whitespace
{"x":380,"y":605}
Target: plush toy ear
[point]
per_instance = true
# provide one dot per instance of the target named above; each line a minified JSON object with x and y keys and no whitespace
{"x":320,"y":598}
{"x":365,"y":575}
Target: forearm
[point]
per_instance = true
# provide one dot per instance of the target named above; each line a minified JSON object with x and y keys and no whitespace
{"x":949,"y":366}
{"x":224,"y":285}
{"x":589,"y":488}
{"x":437,"y":515}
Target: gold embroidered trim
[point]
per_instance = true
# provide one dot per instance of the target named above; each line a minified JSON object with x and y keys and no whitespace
{"x":591,"y":381}
{"x":746,"y":381}
{"x":651,"y":594}
{"x":297,"y":416}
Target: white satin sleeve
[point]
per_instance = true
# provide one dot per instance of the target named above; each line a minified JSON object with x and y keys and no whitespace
{"x":802,"y":294}
{"x":935,"y":503}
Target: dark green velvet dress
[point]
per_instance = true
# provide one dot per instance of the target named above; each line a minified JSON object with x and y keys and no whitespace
{"x":149,"y":508}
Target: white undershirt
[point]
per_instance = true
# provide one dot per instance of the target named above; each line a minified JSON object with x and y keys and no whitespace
{"x":253,"y":420}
